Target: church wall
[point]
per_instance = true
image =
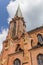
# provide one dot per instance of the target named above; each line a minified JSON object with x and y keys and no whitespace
{"x":33,"y":34}
{"x":27,"y":58}
{"x":34,"y":54}
{"x":12,"y":57}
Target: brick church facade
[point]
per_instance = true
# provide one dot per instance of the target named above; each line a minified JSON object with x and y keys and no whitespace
{"x":21,"y":47}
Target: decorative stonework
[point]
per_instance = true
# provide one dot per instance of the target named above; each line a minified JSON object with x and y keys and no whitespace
{"x":2,"y":61}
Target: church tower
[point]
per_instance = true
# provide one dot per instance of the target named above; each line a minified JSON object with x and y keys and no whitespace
{"x":21,"y":47}
{"x":17,"y":25}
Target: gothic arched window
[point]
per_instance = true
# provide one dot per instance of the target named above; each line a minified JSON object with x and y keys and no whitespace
{"x":14,"y":29}
{"x":40,"y":40}
{"x":40,"y":59}
{"x":17,"y":62}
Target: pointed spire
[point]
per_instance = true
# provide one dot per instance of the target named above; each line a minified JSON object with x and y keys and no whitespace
{"x":18,"y":13}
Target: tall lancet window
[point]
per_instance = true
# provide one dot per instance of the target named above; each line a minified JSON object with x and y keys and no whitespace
{"x":17,"y":62}
{"x":40,"y":40}
{"x":14,"y":29}
{"x":40,"y":59}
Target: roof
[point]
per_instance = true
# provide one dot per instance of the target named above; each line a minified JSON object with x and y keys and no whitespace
{"x":38,"y":28}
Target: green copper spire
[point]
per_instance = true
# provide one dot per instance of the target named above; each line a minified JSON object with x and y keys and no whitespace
{"x":19,"y":13}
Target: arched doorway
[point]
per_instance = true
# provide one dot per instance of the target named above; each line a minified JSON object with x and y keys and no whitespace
{"x":17,"y":62}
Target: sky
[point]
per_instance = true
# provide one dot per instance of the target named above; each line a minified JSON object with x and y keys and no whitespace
{"x":32,"y":11}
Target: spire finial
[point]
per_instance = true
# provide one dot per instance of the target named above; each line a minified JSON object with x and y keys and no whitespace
{"x":19,"y":13}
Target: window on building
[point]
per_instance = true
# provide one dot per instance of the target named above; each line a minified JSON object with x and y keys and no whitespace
{"x":40,"y":59}
{"x":14,"y":29}
{"x":31,"y":42}
{"x":17,"y":48}
{"x":17,"y":62}
{"x":40,"y":39}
